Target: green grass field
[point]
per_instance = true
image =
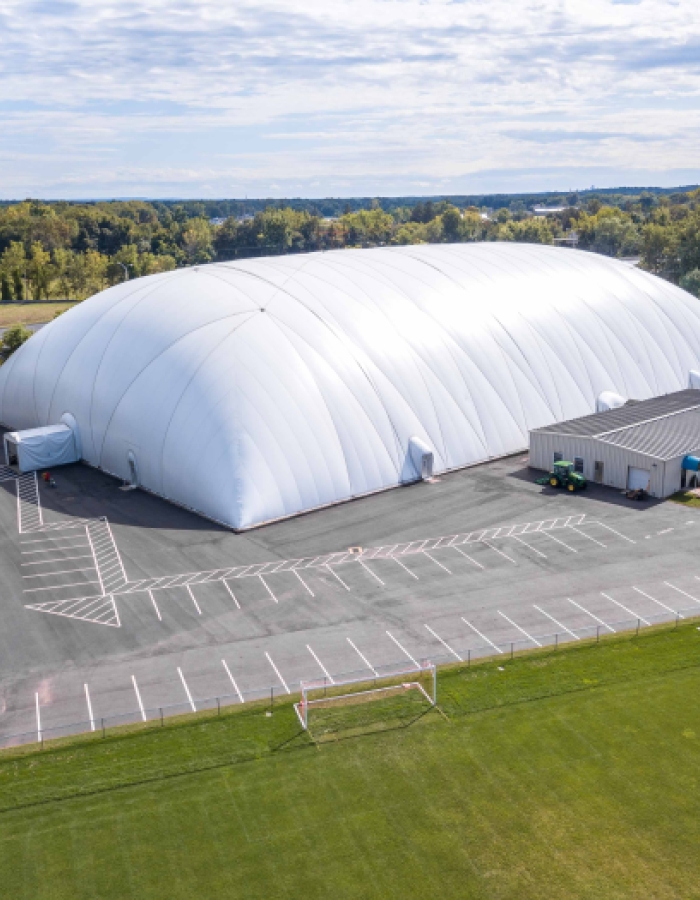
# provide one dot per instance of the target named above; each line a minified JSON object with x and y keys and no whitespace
{"x":29,"y":313}
{"x":568,"y":774}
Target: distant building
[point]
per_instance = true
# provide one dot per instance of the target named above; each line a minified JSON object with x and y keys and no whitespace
{"x":569,"y":240}
{"x":548,"y":210}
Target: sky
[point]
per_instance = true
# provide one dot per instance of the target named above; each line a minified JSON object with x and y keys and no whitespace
{"x":192,"y":98}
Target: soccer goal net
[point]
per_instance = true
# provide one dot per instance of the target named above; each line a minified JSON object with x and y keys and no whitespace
{"x":389,"y":696}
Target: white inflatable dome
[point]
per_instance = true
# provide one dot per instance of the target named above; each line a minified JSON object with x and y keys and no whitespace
{"x":258,"y":389}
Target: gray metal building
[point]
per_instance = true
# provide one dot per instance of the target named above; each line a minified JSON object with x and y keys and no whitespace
{"x":639,"y":445}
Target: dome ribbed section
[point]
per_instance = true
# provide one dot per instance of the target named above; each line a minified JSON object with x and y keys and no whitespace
{"x":261,"y":388}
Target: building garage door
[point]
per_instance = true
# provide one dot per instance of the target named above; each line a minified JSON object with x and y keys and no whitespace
{"x":637,"y":479}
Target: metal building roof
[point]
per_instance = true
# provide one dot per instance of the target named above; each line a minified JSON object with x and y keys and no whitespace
{"x":663,"y":427}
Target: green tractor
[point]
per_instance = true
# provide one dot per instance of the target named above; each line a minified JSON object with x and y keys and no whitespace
{"x":564,"y":476}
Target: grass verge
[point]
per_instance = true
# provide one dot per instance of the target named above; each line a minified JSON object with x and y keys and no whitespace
{"x":686,"y":498}
{"x":565,"y":774}
{"x":29,"y":313}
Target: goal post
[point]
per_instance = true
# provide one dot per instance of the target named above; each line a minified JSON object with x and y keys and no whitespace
{"x":401,"y":690}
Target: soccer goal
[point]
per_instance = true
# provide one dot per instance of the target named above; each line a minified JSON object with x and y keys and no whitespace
{"x":391,"y":694}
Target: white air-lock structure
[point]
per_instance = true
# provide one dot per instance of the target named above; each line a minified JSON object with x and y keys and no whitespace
{"x":40,"y":448}
{"x":258,"y":389}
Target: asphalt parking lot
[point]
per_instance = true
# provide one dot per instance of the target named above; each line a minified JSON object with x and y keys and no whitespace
{"x":116,"y":604}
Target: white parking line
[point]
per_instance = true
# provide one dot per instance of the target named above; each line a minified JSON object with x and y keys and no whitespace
{"x":685,"y":593}
{"x":568,"y":547}
{"x":194,"y":599}
{"x":138,"y":697}
{"x":277,"y":672}
{"x":556,"y":622}
{"x":412,"y":574}
{"x":53,"y":549}
{"x":45,"y":562}
{"x":155,"y":606}
{"x":48,"y":540}
{"x":658,"y":602}
{"x":362,"y":657}
{"x":335,"y":574}
{"x":187,"y":690}
{"x":588,"y":613}
{"x":529,"y":546}
{"x":467,"y":556}
{"x":58,"y":587}
{"x":233,"y":681}
{"x":62,"y":572}
{"x":303,"y":582}
{"x":233,"y":596}
{"x":444,"y":643}
{"x":628,"y":611}
{"x":416,"y":664}
{"x":425,"y":553}
{"x":491,"y":547}
{"x":38,"y":718}
{"x":89,"y":706}
{"x":578,"y":531}
{"x":371,"y":572}
{"x":482,"y":636}
{"x":619,"y":534}
{"x":521,"y":630}
{"x":269,"y":591}
{"x":321,"y":666}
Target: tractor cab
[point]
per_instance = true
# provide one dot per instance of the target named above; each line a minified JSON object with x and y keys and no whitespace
{"x":563,"y":467}
{"x":563,"y":474}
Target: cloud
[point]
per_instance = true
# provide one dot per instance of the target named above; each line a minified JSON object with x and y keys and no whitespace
{"x":154,"y":96}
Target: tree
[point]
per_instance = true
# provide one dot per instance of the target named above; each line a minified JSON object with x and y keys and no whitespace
{"x":197,"y":241}
{"x":39,"y":271}
{"x":368,"y":226}
{"x":411,"y":233}
{"x":659,"y":248}
{"x":5,"y":289}
{"x":13,"y":264}
{"x":451,"y":224}
{"x":610,"y":232}
{"x":18,"y":285}
{"x":12,"y":340}
{"x":691,"y":282}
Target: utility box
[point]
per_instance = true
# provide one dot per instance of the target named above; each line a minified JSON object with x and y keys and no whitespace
{"x":40,"y":448}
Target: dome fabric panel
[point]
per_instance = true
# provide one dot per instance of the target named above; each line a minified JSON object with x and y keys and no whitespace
{"x":257,"y":389}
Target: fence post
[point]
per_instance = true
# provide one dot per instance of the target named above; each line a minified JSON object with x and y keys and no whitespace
{"x":469,"y":658}
{"x":511,"y":649}
{"x":103,"y":728}
{"x":218,"y":705}
{"x":161,"y":715}
{"x":676,"y":620}
{"x":637,"y":627}
{"x":272,"y":697}
{"x":556,"y":640}
{"x":597,"y":634}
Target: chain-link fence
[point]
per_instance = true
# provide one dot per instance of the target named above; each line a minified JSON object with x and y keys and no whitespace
{"x":155,"y":717}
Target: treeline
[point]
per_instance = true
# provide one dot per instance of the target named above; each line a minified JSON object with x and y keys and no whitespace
{"x":67,"y":250}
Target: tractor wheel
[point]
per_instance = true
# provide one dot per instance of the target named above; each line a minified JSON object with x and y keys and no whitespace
{"x":553,"y":482}
{"x":572,"y":487}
